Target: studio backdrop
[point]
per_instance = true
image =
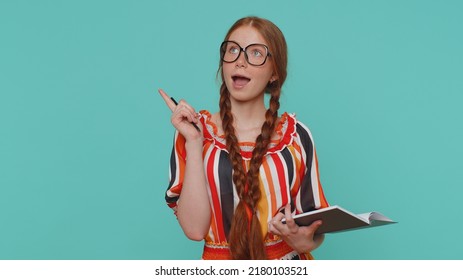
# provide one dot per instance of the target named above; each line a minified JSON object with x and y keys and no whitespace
{"x":85,"y":140}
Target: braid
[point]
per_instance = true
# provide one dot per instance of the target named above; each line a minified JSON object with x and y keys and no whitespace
{"x":239,"y":240}
{"x":262,"y":142}
{"x":231,"y":140}
{"x":246,"y":239}
{"x":254,"y":194}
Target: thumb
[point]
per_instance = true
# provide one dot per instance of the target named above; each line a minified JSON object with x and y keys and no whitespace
{"x":315,"y":226}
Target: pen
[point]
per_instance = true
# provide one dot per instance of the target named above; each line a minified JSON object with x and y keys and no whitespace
{"x":197,"y":128}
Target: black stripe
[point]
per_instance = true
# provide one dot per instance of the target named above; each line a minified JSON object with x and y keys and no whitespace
{"x":173,"y":172}
{"x":288,"y":158}
{"x":307,"y":199}
{"x":289,"y":164}
{"x":226,"y":190}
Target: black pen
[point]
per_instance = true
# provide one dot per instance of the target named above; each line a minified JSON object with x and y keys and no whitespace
{"x":197,"y":128}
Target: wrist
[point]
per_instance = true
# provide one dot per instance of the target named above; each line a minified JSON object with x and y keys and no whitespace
{"x":194,"y":145}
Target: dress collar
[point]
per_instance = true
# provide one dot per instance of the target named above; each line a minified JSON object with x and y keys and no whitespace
{"x":285,"y":129}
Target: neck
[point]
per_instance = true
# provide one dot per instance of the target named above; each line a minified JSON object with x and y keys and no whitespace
{"x":248,"y":115}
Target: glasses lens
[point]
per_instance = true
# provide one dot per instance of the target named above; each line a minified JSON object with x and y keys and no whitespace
{"x":256,"y":54}
{"x":230,"y":51}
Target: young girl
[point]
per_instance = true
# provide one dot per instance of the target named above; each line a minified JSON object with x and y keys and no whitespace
{"x":235,"y":174}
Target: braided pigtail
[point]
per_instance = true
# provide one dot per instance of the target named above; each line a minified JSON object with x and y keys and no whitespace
{"x":239,"y":237}
{"x":246,"y":238}
{"x":254,"y":194}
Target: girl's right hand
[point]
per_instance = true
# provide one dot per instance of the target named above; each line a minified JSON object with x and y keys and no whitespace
{"x":183,"y":117}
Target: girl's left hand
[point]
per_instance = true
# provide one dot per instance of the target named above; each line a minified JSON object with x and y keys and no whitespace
{"x":300,"y":238}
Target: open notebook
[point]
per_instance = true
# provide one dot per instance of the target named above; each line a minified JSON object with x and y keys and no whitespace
{"x":336,"y":219}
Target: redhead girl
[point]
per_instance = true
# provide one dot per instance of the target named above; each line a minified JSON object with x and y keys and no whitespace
{"x":235,"y":174}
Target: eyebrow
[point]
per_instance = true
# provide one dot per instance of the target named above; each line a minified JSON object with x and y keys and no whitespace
{"x":230,"y":39}
{"x":241,"y":45}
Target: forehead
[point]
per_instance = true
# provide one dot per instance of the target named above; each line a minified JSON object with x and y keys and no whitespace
{"x":246,"y":35}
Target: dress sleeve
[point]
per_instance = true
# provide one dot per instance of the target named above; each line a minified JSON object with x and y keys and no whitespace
{"x":310,"y":194}
{"x":176,"y":171}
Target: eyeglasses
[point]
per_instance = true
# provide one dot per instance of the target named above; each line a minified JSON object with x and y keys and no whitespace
{"x":255,"y":54}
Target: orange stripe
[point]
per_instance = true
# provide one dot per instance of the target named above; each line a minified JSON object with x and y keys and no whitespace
{"x":180,"y":146}
{"x":222,"y":251}
{"x":215,"y":232}
{"x":271,"y":187}
{"x":296,"y":186}
{"x":301,"y":162}
{"x":209,"y":145}
{"x":263,"y":208}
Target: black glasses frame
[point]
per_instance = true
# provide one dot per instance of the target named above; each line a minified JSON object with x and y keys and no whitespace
{"x":242,"y":50}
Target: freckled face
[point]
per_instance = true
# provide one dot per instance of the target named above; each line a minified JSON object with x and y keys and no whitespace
{"x":243,"y":80}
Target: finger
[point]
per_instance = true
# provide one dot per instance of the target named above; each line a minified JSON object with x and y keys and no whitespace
{"x":272,"y":229}
{"x":278,"y":217}
{"x":314,"y":226}
{"x":182,"y":102}
{"x":276,"y":223}
{"x":279,"y":226}
{"x":167,"y":99}
{"x":289,"y":219}
{"x":184,"y":105}
{"x":184,"y":113}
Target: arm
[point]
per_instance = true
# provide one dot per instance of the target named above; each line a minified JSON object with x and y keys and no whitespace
{"x":193,"y":208}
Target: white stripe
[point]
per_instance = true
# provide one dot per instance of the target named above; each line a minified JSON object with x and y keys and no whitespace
{"x":215,"y":172}
{"x":302,"y":158}
{"x":313,"y":170}
{"x":177,"y":170}
{"x":285,"y":173}
{"x":315,"y":186}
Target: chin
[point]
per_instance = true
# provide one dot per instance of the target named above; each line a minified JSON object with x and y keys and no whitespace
{"x":245,"y":96}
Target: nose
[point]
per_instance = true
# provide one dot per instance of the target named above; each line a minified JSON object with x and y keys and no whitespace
{"x":241,"y":61}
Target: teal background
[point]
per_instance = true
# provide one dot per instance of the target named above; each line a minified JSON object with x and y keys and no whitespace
{"x":85,"y":139}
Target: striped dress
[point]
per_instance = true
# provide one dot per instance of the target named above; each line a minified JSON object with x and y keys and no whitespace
{"x":288,"y":174}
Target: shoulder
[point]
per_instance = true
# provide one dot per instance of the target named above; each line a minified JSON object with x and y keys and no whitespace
{"x":290,"y":119}
{"x":212,"y":123}
{"x":302,"y":133}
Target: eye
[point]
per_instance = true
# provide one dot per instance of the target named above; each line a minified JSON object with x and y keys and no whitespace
{"x":257,"y":53}
{"x":233,"y":50}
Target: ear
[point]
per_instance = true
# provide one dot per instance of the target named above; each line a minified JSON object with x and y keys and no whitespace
{"x":273,"y":78}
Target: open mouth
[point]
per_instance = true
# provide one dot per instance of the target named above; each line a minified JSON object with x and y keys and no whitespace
{"x":240,"y":81}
